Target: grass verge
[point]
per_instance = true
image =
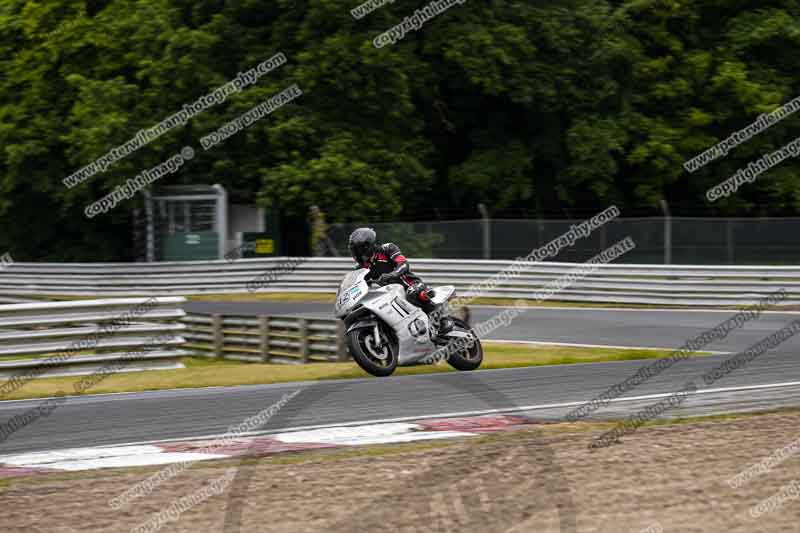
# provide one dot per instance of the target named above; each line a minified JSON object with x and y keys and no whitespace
{"x":200,"y":372}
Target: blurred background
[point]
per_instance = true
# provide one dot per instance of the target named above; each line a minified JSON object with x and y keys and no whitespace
{"x":483,"y":136}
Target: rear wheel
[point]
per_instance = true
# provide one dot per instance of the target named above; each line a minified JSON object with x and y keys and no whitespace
{"x":470,"y":357}
{"x":377,"y":358}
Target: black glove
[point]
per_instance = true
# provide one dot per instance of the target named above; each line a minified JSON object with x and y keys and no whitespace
{"x":386,"y":279}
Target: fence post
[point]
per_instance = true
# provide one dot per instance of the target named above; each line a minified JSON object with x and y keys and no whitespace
{"x":216,"y":327}
{"x":221,"y":221}
{"x":341,"y":345}
{"x":729,"y":241}
{"x":150,"y":239}
{"x":487,"y":236}
{"x":539,"y":231}
{"x":303,"y":329}
{"x":667,"y":233}
{"x":263,"y":335}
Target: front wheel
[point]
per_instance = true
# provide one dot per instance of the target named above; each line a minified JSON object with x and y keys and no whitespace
{"x":377,"y":358}
{"x":470,"y":357}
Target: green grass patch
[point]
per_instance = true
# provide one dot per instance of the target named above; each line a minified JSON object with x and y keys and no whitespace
{"x":21,"y":357}
{"x":42,"y":356}
{"x":203,"y":372}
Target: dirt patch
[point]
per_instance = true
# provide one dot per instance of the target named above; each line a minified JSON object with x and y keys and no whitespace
{"x":667,"y":478}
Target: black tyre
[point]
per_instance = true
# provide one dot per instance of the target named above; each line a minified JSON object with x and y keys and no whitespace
{"x":377,"y":360}
{"x":471,"y":357}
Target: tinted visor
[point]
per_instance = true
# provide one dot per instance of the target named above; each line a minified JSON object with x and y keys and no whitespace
{"x":362,"y":252}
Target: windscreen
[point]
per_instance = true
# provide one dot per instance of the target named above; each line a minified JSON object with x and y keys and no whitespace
{"x":352,"y":278}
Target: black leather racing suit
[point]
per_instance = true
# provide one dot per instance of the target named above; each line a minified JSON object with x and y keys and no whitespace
{"x":389,"y":265}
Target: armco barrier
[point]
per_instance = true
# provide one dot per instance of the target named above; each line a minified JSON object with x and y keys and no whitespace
{"x":276,"y":339}
{"x":610,"y":283}
{"x":81,"y":337}
{"x":271,"y":339}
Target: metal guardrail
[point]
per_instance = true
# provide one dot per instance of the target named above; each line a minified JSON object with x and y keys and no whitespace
{"x":610,"y":283}
{"x":276,"y":339}
{"x":79,"y":337}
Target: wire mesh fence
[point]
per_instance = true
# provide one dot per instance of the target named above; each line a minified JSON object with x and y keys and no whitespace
{"x":659,"y":240}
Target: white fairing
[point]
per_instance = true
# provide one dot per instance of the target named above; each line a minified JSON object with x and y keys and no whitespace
{"x":351,"y":291}
{"x":389,"y":304}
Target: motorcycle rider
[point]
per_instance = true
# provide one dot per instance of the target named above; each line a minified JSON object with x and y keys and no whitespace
{"x":387,"y":264}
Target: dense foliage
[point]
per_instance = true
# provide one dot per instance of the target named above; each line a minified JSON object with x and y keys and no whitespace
{"x":513,"y":104}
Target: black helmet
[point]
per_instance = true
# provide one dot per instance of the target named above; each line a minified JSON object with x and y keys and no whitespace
{"x":362,"y":244}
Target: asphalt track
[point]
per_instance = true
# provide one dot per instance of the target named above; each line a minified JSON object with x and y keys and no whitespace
{"x":613,"y":327}
{"x":547,"y":393}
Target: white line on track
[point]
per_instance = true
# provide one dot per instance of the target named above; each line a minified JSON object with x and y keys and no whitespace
{"x":458,"y":414}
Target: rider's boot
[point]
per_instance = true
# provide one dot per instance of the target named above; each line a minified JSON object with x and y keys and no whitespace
{"x":440,"y":322}
{"x":445,"y":326}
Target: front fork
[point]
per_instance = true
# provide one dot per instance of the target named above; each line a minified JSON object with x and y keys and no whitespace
{"x":377,"y":333}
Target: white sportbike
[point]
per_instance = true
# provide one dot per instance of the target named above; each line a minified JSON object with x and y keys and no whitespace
{"x":385,"y":330}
